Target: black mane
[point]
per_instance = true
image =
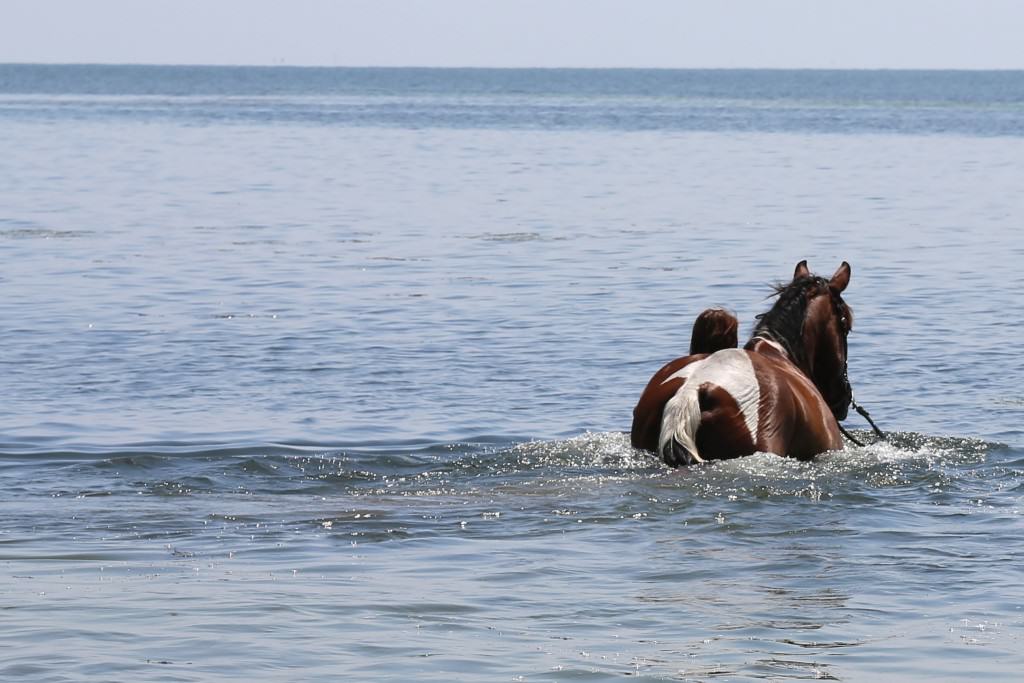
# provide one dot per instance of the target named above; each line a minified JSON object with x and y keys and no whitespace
{"x":784,"y":322}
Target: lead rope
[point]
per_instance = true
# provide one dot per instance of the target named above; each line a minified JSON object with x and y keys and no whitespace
{"x":864,"y":413}
{"x":867,"y":416}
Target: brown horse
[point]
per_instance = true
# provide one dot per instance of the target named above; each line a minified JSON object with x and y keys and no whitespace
{"x":784,"y":392}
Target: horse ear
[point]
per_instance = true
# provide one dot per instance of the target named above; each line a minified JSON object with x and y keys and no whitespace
{"x":801,"y":270}
{"x":841,"y":279}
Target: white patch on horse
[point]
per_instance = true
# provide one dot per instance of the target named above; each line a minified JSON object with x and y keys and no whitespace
{"x":729,"y":369}
{"x":685,"y":371}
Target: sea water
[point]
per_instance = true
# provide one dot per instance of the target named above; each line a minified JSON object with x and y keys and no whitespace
{"x":324,"y":374}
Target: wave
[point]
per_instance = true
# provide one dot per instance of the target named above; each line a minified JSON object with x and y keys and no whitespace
{"x":496,"y":465}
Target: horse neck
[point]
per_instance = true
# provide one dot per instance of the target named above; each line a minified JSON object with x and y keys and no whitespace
{"x":768,"y":345}
{"x":795,"y":351}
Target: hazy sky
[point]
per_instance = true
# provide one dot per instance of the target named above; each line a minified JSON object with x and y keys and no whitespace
{"x":964,"y":34}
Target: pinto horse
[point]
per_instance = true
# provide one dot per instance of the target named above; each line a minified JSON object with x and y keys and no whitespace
{"x":784,"y":392}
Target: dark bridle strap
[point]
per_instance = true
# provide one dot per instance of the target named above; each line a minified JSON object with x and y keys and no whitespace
{"x":849,"y":436}
{"x":864,"y":414}
{"x":867,"y":416}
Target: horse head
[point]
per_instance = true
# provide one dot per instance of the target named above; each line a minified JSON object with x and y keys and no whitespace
{"x":826,"y":326}
{"x":811,"y":321}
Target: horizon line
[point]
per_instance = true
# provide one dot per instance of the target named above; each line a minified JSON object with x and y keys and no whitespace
{"x":283,"y":65}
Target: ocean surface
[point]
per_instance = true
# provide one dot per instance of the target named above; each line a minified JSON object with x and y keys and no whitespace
{"x":324,"y":374}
